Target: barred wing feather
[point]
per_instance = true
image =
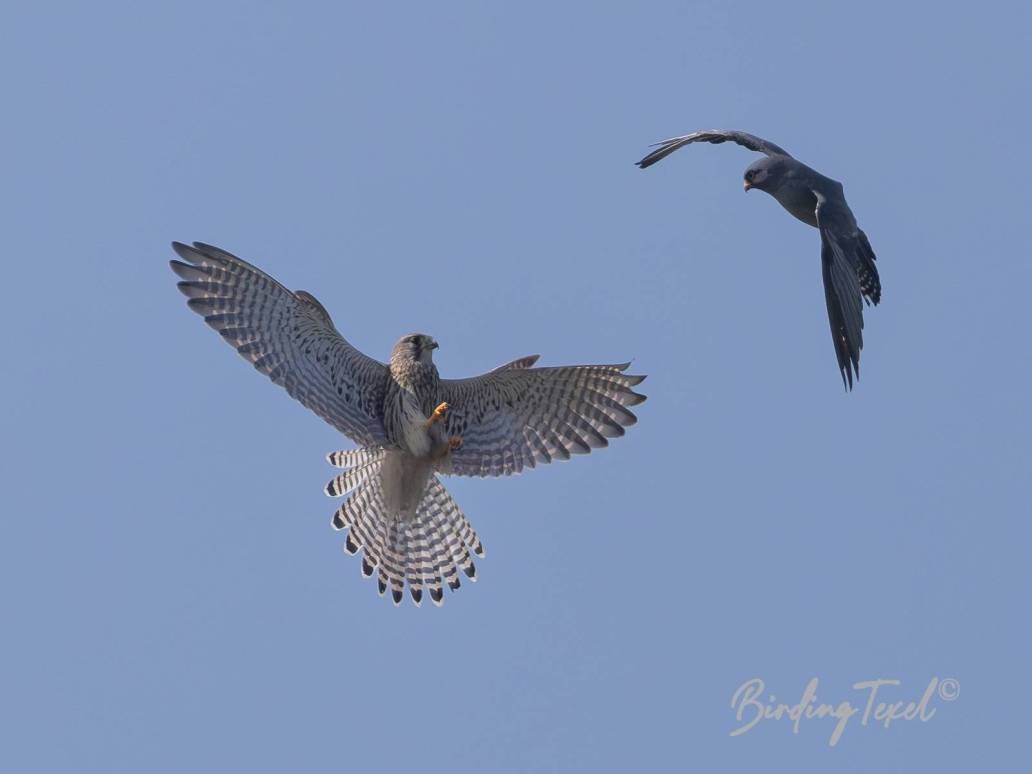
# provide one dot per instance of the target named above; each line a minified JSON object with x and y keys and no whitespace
{"x":518,"y":417}
{"x":287,"y":336}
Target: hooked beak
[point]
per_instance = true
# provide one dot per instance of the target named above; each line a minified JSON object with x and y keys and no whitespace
{"x":434,"y":345}
{"x":747,"y":185}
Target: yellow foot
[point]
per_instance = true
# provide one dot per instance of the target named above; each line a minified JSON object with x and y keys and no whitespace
{"x":454,"y":442}
{"x":438,"y":414}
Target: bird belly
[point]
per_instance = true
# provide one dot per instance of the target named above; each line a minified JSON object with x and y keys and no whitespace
{"x":404,"y":477}
{"x":801,"y":204}
{"x":418,"y":436}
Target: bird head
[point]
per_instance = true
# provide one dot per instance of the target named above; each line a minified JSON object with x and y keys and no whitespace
{"x":764,"y":174}
{"x":415,"y":346}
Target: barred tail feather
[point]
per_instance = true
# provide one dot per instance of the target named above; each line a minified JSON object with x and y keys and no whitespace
{"x":424,"y":551}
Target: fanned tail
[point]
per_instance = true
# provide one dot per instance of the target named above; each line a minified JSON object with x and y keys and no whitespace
{"x":425,"y":550}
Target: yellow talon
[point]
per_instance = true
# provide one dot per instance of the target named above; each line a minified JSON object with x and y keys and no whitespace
{"x":438,"y":414}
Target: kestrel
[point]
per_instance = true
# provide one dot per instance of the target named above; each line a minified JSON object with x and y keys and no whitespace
{"x":847,"y":260}
{"x":410,"y":424}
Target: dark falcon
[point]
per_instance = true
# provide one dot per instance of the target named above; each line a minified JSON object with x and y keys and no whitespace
{"x":847,"y":260}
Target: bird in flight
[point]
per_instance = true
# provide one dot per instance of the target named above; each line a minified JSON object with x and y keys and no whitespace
{"x":410,"y":425}
{"x":847,"y":260}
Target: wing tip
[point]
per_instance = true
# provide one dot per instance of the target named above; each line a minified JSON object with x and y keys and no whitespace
{"x":632,"y":398}
{"x":661,"y":152}
{"x":186,"y":252}
{"x":199,"y":252}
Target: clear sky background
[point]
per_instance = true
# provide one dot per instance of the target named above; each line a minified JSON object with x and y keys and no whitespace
{"x":174,"y":598}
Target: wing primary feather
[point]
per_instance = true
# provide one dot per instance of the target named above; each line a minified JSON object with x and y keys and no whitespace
{"x":714,"y":136}
{"x":287,"y":336}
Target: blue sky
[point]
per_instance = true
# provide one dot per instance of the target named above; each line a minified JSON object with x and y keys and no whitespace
{"x":174,"y":597}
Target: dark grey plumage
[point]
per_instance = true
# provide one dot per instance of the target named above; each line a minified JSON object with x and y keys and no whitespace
{"x":847,"y":260}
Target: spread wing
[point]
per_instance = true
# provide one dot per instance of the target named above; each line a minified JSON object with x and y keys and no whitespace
{"x":523,"y":362}
{"x":517,"y":417}
{"x":850,"y":277}
{"x":287,"y":336}
{"x":715,"y":136}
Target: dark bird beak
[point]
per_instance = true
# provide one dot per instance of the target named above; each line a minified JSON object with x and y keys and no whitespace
{"x":435,"y":345}
{"x":747,"y":185}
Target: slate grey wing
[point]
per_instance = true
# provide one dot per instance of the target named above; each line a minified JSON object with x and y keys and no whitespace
{"x":519,"y":417}
{"x":850,"y":277}
{"x":715,"y":136}
{"x":287,"y":336}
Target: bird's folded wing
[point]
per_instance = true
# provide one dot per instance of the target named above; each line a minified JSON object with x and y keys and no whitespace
{"x":715,"y":136}
{"x":518,"y":417}
{"x":287,"y":336}
{"x":840,"y":264}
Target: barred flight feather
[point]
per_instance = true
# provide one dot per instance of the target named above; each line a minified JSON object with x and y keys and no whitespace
{"x":513,"y":418}
{"x":426,"y":551}
{"x":396,"y":514}
{"x":287,"y":336}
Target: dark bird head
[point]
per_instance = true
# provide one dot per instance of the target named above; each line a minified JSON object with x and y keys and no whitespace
{"x":765,"y":174}
{"x":415,"y":346}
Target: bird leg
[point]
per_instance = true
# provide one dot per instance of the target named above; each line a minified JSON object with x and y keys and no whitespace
{"x":438,"y":414}
{"x":454,"y":441}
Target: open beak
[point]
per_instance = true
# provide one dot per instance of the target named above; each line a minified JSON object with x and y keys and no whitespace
{"x":747,"y":185}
